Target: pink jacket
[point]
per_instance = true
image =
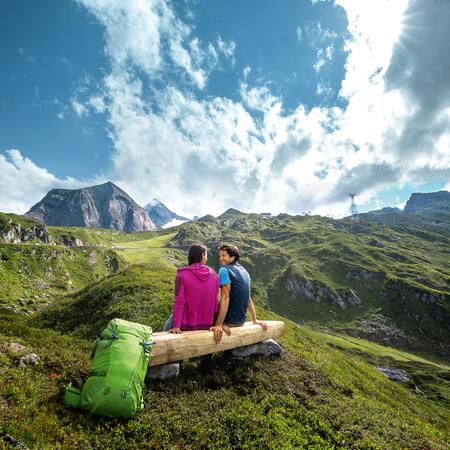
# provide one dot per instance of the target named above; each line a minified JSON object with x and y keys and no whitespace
{"x":195,"y":301}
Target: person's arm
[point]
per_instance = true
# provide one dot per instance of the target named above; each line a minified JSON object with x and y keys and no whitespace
{"x":225,"y":286}
{"x":252,"y":312}
{"x":219,"y":327}
{"x":178,"y":305}
{"x":224,"y":302}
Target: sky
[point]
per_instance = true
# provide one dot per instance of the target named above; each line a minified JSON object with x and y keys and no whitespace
{"x":257,"y":105}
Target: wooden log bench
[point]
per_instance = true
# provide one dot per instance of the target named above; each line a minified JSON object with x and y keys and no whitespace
{"x":168,"y":347}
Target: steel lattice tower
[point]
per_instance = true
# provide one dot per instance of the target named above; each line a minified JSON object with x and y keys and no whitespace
{"x":354,"y":217}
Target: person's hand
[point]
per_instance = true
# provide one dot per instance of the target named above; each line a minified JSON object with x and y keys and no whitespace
{"x":218,"y":332}
{"x":263,"y":325}
{"x":175,"y":330}
{"x":227,"y":329}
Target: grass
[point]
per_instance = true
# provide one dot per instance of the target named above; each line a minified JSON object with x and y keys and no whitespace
{"x":315,"y":396}
{"x":145,"y":251}
{"x":100,"y":236}
{"x":323,"y":393}
{"x":38,"y":273}
{"x":428,"y":376}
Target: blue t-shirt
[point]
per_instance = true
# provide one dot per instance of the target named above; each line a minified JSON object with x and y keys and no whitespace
{"x":239,"y":279}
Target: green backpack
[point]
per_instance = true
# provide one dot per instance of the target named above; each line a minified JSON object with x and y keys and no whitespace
{"x":120,"y":363}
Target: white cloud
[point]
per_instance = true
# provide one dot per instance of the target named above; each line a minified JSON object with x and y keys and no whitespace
{"x":26,"y":55}
{"x":227,"y":48}
{"x":23,"y":183}
{"x":323,"y":56}
{"x":400,"y":205}
{"x":97,"y":103}
{"x":324,"y":89}
{"x":318,"y":36}
{"x":299,"y":33}
{"x":246,"y":72}
{"x":79,"y":109}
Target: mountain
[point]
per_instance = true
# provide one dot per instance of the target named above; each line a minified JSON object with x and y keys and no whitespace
{"x":422,"y":210}
{"x":425,"y":203}
{"x":100,"y":206}
{"x":163,"y":216}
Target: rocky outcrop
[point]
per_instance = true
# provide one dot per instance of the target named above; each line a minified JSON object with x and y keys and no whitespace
{"x":383,"y":330}
{"x":403,"y":294}
{"x":71,"y":241}
{"x":418,"y":203}
{"x":421,"y":210}
{"x":319,"y":292}
{"x":29,"y":360}
{"x":18,"y":231}
{"x":102,"y":206}
{"x":393,"y":373}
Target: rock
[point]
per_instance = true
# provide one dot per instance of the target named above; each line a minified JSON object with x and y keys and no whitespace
{"x":265,"y":348}
{"x":13,"y":442}
{"x":13,"y":308}
{"x":31,"y":359}
{"x":350,"y":297}
{"x":383,"y":330}
{"x":393,"y":374}
{"x":71,"y":241}
{"x":375,"y":243}
{"x":92,"y":258}
{"x":164,"y":371}
{"x":317,"y":291}
{"x":17,"y":347}
{"x":14,"y":233}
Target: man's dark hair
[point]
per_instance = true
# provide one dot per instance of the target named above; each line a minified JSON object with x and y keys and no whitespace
{"x":196,"y":251}
{"x":232,"y":250}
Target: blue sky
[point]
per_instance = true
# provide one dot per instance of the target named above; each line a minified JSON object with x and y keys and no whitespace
{"x":257,"y":105}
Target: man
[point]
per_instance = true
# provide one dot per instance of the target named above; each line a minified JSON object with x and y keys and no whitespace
{"x":235,"y":297}
{"x":195,"y":301}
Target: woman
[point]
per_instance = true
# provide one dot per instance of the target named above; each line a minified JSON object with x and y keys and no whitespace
{"x":196,"y":287}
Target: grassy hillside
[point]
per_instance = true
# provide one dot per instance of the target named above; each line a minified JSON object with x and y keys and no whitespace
{"x":34,"y":274}
{"x":39,"y":264}
{"x":390,"y":284}
{"x":325,"y":392}
{"x":321,"y":394}
{"x":384,"y":283}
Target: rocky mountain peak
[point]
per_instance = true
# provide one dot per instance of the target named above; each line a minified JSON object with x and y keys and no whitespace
{"x":100,"y":206}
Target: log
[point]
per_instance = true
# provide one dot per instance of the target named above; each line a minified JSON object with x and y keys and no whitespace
{"x":168,"y":347}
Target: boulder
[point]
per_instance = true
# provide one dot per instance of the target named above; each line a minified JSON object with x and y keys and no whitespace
{"x":393,"y":374}
{"x":31,"y":359}
{"x":265,"y":348}
{"x":17,"y":347}
{"x":164,"y":371}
